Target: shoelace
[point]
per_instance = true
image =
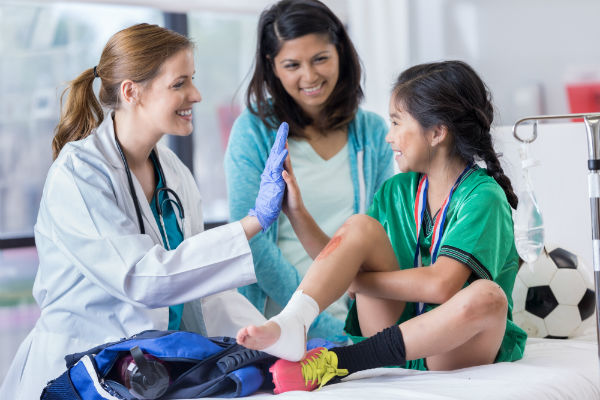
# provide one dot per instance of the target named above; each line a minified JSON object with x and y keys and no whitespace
{"x":321,"y":367}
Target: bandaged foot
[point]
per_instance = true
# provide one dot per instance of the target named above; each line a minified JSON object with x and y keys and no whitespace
{"x":292,"y":323}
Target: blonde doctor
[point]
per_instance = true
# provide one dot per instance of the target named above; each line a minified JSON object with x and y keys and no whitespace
{"x":119,"y":231}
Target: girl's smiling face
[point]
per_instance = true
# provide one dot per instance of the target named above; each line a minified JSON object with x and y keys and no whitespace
{"x":408,"y":139}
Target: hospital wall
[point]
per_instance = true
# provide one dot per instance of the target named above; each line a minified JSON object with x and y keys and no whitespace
{"x":527,"y":51}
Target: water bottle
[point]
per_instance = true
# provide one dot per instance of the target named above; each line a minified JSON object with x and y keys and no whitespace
{"x":528,"y":222}
{"x":144,"y":375}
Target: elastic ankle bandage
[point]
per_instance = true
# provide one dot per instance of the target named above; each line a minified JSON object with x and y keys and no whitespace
{"x":294,"y":321}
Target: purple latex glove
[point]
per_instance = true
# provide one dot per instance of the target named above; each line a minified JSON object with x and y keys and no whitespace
{"x":272,"y":186}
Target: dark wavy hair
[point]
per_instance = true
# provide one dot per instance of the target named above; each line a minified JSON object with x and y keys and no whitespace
{"x":450,"y":93}
{"x":266,"y":97}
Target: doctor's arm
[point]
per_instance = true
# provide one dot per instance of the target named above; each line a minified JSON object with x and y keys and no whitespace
{"x":83,"y":216}
{"x":267,"y":205}
{"x":251,"y":226}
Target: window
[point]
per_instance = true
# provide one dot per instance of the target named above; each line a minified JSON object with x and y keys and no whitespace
{"x":18,"y":311}
{"x":43,"y":46}
{"x":224,"y":52}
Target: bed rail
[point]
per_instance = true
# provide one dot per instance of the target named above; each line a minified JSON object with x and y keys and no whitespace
{"x":592,"y":126}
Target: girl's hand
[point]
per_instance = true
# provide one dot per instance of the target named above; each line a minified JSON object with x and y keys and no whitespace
{"x":292,"y":200}
{"x":351,"y":293}
{"x":313,"y":239}
{"x":353,"y":288}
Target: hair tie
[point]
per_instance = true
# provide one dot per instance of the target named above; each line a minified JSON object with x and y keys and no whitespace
{"x":96,"y":72}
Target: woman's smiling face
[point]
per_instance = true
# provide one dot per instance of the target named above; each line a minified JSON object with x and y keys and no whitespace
{"x":308,"y":69}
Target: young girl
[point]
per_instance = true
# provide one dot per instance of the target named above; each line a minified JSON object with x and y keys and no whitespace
{"x":444,"y":213}
{"x":306,"y":72}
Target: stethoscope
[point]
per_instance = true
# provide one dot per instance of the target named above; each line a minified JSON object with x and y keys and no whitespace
{"x":159,"y":206}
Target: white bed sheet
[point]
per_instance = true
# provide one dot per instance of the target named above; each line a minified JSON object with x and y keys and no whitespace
{"x":551,"y":369}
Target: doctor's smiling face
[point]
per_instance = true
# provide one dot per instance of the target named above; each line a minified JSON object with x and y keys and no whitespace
{"x":165,"y":103}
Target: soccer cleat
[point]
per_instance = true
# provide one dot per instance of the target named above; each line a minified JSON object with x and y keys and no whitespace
{"x":318,"y":367}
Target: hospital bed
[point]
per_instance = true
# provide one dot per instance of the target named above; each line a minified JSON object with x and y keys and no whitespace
{"x":552,"y":369}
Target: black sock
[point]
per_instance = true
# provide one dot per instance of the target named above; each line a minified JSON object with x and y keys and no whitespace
{"x":384,"y":349}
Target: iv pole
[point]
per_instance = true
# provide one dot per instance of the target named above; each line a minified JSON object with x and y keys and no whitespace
{"x":592,"y":126}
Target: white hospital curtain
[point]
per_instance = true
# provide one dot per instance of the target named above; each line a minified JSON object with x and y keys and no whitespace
{"x":380,"y":32}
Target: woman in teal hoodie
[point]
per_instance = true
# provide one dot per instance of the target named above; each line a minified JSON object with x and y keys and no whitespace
{"x":306,"y":73}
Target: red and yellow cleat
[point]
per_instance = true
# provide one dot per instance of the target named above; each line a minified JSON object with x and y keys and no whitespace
{"x":317,"y":368}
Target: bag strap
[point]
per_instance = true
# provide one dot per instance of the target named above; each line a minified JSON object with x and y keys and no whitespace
{"x":72,"y":359}
{"x":241,"y":358}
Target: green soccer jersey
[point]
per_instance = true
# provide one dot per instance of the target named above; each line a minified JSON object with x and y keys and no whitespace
{"x":478,"y":232}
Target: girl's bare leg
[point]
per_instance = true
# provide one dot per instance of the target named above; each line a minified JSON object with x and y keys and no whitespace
{"x":465,"y":331}
{"x":360,"y":243}
{"x":376,"y":314}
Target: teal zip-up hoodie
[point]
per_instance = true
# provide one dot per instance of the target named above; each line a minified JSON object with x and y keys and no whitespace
{"x":371,"y":163}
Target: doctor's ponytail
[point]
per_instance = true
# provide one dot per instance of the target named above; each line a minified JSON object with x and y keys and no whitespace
{"x":80,"y":114}
{"x":135,"y":53}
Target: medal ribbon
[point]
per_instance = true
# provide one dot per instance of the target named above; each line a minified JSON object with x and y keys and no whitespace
{"x":438,"y":226}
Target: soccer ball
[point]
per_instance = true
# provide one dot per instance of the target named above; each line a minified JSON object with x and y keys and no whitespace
{"x":552,"y":297}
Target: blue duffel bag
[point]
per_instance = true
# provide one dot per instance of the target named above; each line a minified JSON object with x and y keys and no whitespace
{"x":167,"y":365}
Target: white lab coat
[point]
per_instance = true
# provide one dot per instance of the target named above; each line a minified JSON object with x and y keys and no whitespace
{"x":100,"y":280}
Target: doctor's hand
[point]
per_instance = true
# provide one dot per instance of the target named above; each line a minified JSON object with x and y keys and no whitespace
{"x":272,"y":186}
